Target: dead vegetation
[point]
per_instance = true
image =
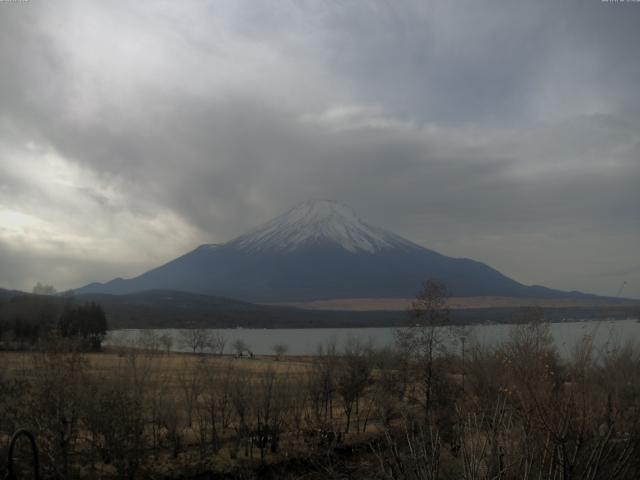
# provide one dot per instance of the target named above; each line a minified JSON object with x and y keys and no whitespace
{"x":415,"y":411}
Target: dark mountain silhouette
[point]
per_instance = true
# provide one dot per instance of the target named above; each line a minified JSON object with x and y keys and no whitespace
{"x":321,"y":250}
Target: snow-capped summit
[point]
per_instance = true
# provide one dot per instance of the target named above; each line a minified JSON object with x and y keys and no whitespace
{"x":317,"y":222}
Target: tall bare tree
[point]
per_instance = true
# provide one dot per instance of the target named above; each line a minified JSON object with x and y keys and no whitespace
{"x":197,"y":339}
{"x":425,"y":337}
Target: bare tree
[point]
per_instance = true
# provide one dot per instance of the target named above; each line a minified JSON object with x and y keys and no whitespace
{"x":410,"y":452}
{"x":280,"y":349}
{"x":196,"y":339}
{"x":166,"y":341}
{"x":115,"y":415}
{"x":190,"y":383}
{"x":241,"y":395}
{"x":352,"y":378}
{"x":424,"y":338}
{"x":298,"y":397}
{"x":268,"y":408}
{"x":240,"y":346}
{"x":217,"y":343}
{"x":149,"y":340}
{"x":158,"y":407}
{"x":214,"y":409}
{"x":57,"y":383}
{"x":321,"y":382}
{"x":388,"y":389}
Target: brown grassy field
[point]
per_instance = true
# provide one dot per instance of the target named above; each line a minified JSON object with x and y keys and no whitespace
{"x":175,"y":378}
{"x":399,"y":304}
{"x":170,"y":365}
{"x":512,"y":411}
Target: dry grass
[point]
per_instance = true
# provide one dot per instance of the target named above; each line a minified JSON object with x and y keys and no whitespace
{"x":471,"y":424}
{"x":399,"y":304}
{"x":170,"y":364}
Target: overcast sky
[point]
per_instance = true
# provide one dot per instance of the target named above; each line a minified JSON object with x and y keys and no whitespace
{"x":504,"y":131}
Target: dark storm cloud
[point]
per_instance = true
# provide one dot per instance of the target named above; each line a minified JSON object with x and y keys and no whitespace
{"x":503,"y":131}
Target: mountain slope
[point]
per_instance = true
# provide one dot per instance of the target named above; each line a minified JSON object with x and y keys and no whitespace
{"x":5,"y":294}
{"x":320,"y":250}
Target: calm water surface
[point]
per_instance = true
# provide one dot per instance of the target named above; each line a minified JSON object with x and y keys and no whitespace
{"x":305,"y":341}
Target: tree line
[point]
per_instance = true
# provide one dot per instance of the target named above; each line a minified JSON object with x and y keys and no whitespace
{"x":27,"y":320}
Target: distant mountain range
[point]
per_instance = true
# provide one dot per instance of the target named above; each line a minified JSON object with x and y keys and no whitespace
{"x":321,"y":250}
{"x":6,"y":294}
{"x":174,"y":309}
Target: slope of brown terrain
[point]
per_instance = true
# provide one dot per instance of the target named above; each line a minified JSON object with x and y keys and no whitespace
{"x":396,"y":304}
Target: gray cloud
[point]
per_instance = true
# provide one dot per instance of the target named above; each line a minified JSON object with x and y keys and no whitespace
{"x":502,"y":131}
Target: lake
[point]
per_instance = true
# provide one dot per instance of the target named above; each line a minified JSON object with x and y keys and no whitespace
{"x":301,"y":341}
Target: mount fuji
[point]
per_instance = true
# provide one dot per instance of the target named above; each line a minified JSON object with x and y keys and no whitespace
{"x":320,"y":250}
